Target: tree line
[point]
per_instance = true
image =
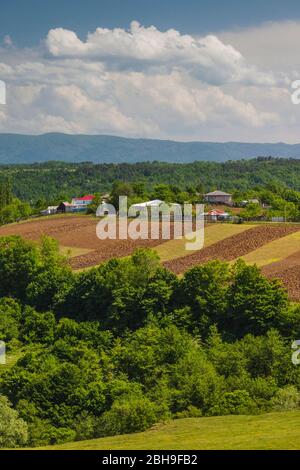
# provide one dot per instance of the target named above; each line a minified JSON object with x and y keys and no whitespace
{"x":11,"y":208}
{"x":128,"y":344}
{"x":52,"y":181}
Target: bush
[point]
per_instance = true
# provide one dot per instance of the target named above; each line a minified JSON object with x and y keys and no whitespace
{"x":127,"y":415}
{"x":42,"y":433}
{"x":13,"y":430}
{"x":287,"y":398}
{"x":234,"y":403}
{"x":84,"y":426}
{"x":190,"y":412}
{"x":38,"y":327}
{"x":10,"y":315}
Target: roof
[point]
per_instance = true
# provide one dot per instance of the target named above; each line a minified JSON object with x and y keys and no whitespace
{"x":217,"y":212}
{"x":155,"y":203}
{"x":217,"y":193}
{"x":89,"y":197}
{"x":65,"y":203}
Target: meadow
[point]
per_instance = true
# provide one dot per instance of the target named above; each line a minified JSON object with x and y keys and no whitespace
{"x":272,"y":431}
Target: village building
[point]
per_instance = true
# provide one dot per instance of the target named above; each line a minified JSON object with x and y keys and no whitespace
{"x":78,"y":204}
{"x":50,"y":210}
{"x":82,"y":201}
{"x":216,"y":215}
{"x":164,"y":209}
{"x":218,"y":197}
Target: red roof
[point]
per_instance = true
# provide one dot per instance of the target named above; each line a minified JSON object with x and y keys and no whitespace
{"x":216,"y":212}
{"x":85,"y":198}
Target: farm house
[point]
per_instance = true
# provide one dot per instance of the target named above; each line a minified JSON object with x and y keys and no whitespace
{"x":218,"y":197}
{"x":50,"y":210}
{"x":78,"y":204}
{"x":82,"y":201}
{"x":161,"y":206}
{"x":216,"y":215}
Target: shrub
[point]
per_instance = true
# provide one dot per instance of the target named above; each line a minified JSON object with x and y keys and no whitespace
{"x":234,"y":403}
{"x":190,"y":412}
{"x":128,"y":415}
{"x":38,"y":327}
{"x":10,"y":315}
{"x":13,"y":430}
{"x":287,"y":398}
{"x":41,"y":433}
{"x":84,"y":426}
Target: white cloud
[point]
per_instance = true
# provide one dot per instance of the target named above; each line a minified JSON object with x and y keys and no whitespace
{"x":147,"y":83}
{"x":208,"y":58}
{"x":270,"y":46}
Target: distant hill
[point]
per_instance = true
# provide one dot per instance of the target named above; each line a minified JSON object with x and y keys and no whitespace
{"x":17,"y":148}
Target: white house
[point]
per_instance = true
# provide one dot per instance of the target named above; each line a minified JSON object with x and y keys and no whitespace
{"x":50,"y":210}
{"x":141,"y":205}
{"x":158,"y":204}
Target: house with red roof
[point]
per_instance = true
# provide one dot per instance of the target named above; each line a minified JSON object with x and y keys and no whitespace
{"x":82,"y":201}
{"x":215,"y":215}
{"x":78,"y":204}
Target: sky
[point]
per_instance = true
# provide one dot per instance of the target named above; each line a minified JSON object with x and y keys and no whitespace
{"x":168,"y":69}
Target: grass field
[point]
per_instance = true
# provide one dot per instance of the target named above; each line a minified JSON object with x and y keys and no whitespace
{"x":267,"y":431}
{"x":72,"y":251}
{"x":275,"y":250}
{"x":173,"y":249}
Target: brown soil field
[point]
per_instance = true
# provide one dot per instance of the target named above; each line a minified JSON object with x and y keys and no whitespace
{"x":288,"y":271}
{"x":232,"y":247}
{"x":78,"y":232}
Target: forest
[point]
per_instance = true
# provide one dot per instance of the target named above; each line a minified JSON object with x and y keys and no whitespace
{"x":26,"y":190}
{"x":53,"y":181}
{"x":128,"y":344}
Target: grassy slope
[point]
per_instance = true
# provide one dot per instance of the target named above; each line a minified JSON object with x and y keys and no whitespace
{"x":72,"y":251}
{"x":213,"y":233}
{"x":268,"y":431}
{"x":275,"y":250}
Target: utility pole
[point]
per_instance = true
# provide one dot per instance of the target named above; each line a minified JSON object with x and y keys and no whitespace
{"x":285,"y":215}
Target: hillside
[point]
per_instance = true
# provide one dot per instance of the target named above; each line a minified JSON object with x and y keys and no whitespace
{"x":57,"y":180}
{"x":267,"y":431}
{"x":18,"y":148}
{"x":275,"y":248}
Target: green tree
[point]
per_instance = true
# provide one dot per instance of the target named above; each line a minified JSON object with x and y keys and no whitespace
{"x":13,"y":430}
{"x":204,"y":289}
{"x":128,"y":414}
{"x":19,"y":260}
{"x":10,"y":317}
{"x":254,"y":303}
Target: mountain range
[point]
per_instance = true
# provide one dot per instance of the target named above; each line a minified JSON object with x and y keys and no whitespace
{"x":20,"y":148}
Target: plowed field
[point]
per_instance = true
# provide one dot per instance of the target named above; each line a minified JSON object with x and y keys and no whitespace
{"x":288,"y":271}
{"x":79,"y":233}
{"x":232,"y":247}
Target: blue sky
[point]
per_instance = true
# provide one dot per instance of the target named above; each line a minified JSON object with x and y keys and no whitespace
{"x":28,"y":21}
{"x":182,"y":70}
